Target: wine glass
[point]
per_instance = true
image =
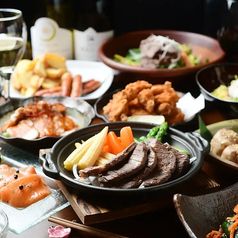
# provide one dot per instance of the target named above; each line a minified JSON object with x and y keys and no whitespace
{"x":13,"y":36}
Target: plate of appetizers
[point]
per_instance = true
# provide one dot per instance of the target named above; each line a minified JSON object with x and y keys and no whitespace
{"x":42,"y":120}
{"x":51,"y":75}
{"x":160,"y":53}
{"x":224,"y":142}
{"x":27,"y":195}
{"x":116,"y":158}
{"x":146,"y":102}
{"x":216,"y":213}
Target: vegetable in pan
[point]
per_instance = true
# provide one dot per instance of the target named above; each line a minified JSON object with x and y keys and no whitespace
{"x":155,"y":132}
{"x":158,"y":132}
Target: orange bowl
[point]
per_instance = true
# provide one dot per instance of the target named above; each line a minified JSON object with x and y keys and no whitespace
{"x":202,"y":46}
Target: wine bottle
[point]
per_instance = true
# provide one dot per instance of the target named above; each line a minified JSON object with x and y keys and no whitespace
{"x":52,"y":31}
{"x":93,"y":25}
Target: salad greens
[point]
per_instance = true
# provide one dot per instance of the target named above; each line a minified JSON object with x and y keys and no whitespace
{"x":133,"y":58}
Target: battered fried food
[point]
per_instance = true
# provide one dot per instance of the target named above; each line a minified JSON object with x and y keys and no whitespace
{"x":143,"y":98}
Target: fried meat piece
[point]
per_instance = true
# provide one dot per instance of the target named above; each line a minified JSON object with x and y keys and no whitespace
{"x":147,"y":100}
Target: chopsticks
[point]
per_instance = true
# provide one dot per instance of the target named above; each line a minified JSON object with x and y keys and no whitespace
{"x":83,"y":228}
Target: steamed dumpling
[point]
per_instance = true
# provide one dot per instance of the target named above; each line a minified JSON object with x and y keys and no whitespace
{"x":230,"y":153}
{"x":223,"y":138}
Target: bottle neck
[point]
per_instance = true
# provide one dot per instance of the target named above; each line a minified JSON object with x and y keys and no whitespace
{"x":93,"y":13}
{"x":60,"y":11}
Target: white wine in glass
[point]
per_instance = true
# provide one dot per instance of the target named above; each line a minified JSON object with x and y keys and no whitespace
{"x":13,"y":36}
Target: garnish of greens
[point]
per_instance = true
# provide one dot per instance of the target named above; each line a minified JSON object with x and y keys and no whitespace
{"x":133,"y":58}
{"x":158,"y":132}
{"x":205,"y":133}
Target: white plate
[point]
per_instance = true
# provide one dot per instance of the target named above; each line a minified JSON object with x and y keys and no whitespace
{"x":88,"y":70}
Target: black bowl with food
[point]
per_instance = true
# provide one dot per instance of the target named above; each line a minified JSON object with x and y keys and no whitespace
{"x":218,"y":83}
{"x":54,"y":164}
{"x":40,"y":121}
{"x":203,"y":214}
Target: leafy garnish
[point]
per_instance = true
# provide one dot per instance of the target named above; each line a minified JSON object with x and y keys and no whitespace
{"x":205,"y":133}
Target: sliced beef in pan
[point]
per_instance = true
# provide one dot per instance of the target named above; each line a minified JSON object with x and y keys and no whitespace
{"x":95,"y":170}
{"x":182,"y":160}
{"x":136,"y":180}
{"x":166,"y":164}
{"x":135,"y":163}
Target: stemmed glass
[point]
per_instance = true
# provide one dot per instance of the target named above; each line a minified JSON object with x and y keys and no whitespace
{"x":13,"y":36}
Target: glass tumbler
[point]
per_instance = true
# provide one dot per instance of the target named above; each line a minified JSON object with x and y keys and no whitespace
{"x":3,"y":224}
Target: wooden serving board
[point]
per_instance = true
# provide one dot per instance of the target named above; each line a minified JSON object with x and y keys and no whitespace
{"x":95,"y":209}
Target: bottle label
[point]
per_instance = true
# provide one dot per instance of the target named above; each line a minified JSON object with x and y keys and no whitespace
{"x":47,"y":36}
{"x":87,"y":43}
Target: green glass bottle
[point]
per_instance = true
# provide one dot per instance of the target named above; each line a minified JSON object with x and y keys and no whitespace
{"x":93,"y":25}
{"x":52,"y":31}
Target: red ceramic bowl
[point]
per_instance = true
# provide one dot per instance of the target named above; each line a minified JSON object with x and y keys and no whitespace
{"x":204,"y":46}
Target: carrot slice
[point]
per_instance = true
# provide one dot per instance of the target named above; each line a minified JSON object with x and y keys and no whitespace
{"x":114,"y":143}
{"x":126,"y":135}
{"x":236,"y":209}
{"x":186,"y":60}
{"x":106,"y":148}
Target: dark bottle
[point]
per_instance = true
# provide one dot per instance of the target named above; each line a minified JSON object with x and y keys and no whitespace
{"x":227,"y":34}
{"x":93,"y":25}
{"x":52,"y":31}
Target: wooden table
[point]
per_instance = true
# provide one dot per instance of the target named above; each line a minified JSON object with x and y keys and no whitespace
{"x":162,"y":222}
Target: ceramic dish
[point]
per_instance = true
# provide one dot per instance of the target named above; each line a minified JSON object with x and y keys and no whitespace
{"x":203,"y":46}
{"x":88,"y":70}
{"x":211,"y":77}
{"x":204,"y":213}
{"x":79,"y":110}
{"x":53,"y":162}
{"x":24,"y":218}
{"x":213,"y":128}
{"x":188,"y":108}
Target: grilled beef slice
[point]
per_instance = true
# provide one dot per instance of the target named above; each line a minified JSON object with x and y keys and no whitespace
{"x":135,"y":163}
{"x":135,"y":180}
{"x":95,"y":170}
{"x":166,"y":164}
{"x":182,"y":160}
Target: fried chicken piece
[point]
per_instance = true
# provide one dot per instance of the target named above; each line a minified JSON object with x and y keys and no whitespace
{"x":160,"y":88}
{"x":176,"y":116}
{"x":132,"y":89}
{"x":139,"y":111}
{"x":168,"y":95}
{"x":134,"y":103}
{"x":147,"y":100}
{"x":116,"y":107}
{"x":164,"y":109}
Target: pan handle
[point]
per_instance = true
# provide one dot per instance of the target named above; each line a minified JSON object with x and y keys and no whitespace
{"x":202,"y":144}
{"x":49,"y":167}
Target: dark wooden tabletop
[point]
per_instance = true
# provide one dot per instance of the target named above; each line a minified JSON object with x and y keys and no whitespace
{"x":162,"y":222}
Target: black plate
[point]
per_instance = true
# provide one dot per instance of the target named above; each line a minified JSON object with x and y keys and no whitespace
{"x":78,"y":109}
{"x":210,"y":209}
{"x":104,"y":100}
{"x":53,"y":162}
